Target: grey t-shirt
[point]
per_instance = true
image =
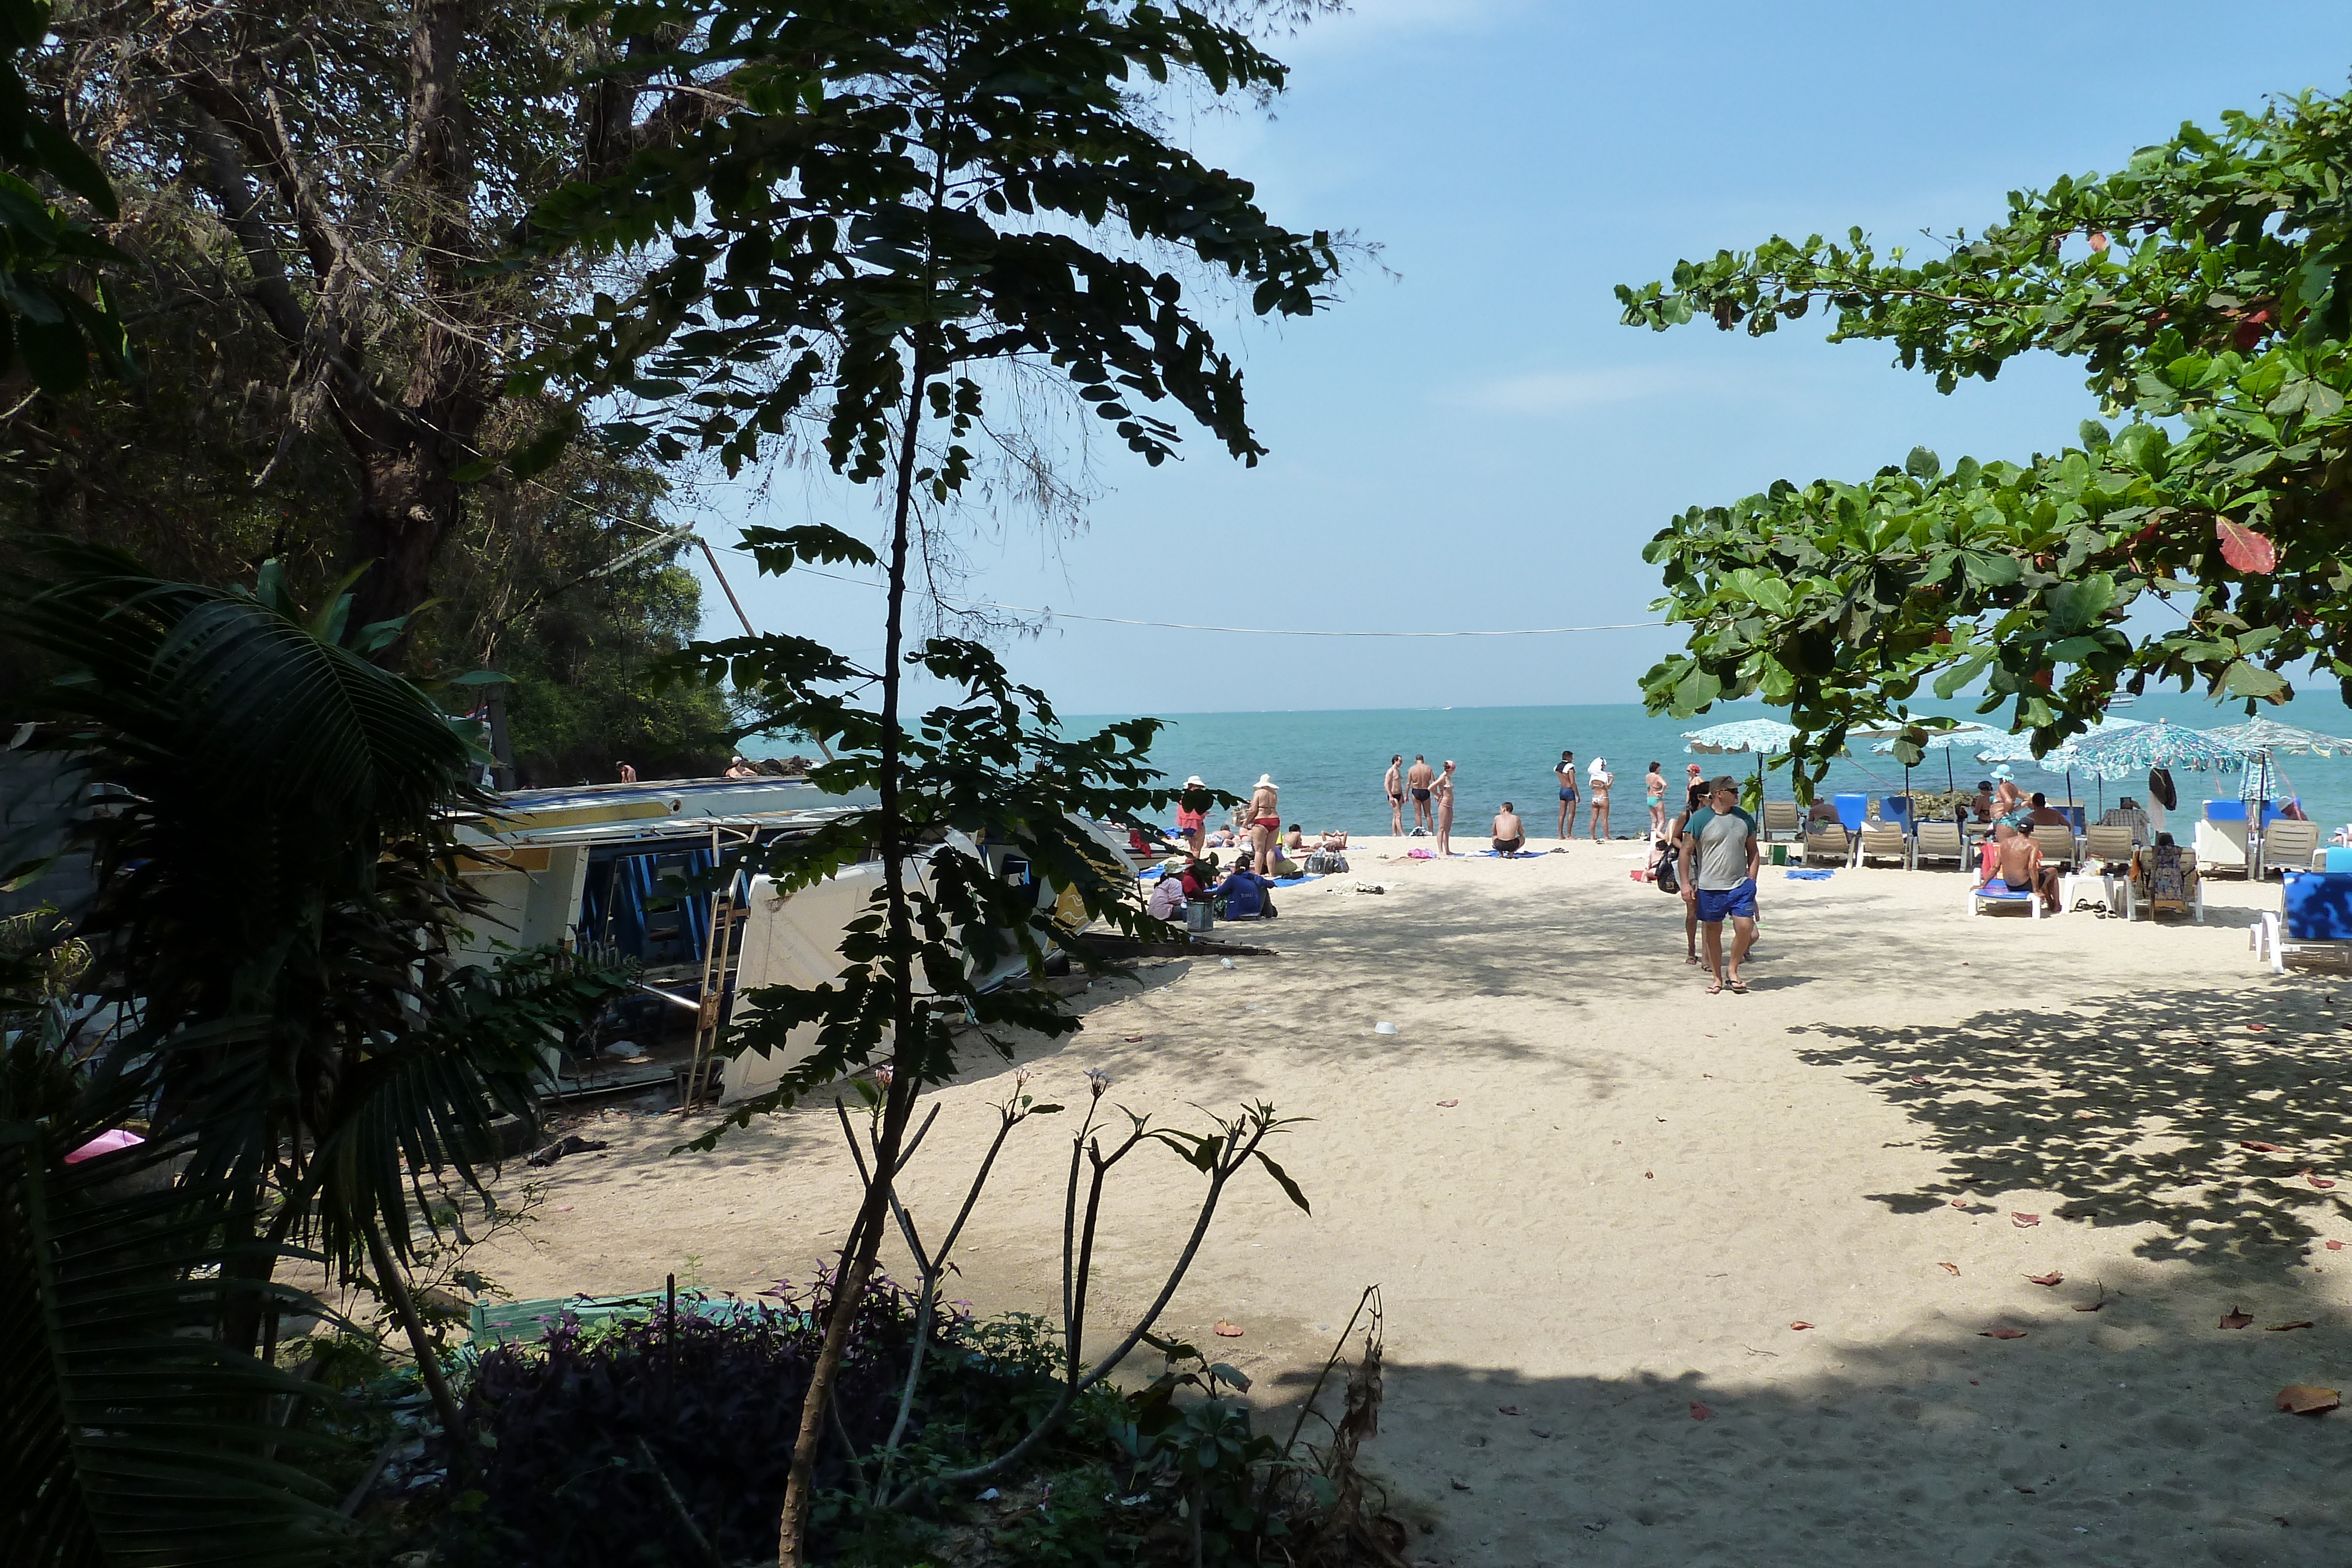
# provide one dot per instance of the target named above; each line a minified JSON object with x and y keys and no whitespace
{"x":1722,"y":854}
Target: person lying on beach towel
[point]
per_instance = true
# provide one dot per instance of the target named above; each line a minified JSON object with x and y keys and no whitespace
{"x":1510,"y":833}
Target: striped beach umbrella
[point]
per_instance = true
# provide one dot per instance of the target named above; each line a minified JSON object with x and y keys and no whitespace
{"x":2264,"y":738}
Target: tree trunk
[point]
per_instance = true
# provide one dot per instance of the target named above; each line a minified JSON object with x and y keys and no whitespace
{"x":867,"y":1233}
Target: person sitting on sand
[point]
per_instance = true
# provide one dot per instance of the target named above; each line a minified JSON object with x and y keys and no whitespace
{"x":1167,"y":901}
{"x":1720,"y":853}
{"x":1292,"y":839}
{"x":1510,"y":833}
{"x":1244,"y":895}
{"x":2019,"y":861}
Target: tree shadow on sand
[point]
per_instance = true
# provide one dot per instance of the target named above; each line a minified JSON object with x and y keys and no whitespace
{"x":2139,"y":1110}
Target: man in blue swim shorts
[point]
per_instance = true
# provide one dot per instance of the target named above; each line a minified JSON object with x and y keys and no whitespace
{"x":1720,"y":850}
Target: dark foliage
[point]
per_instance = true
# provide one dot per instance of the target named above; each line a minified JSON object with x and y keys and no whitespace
{"x":595,"y":1438}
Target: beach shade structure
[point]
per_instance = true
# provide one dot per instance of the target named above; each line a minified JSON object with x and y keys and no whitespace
{"x":1764,"y":736}
{"x":2265,"y":740}
{"x":1966,"y":733}
{"x":2120,"y":750}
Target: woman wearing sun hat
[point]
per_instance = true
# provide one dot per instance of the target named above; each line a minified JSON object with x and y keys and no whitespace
{"x":1192,"y":803}
{"x":1266,"y":822}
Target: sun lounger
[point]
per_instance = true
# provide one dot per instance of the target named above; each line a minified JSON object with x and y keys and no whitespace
{"x":2314,"y":917}
{"x":1886,"y":842}
{"x":2221,"y":837}
{"x":1782,"y":817}
{"x":2286,"y":845}
{"x":2057,"y":842}
{"x":2108,"y":844}
{"x":1828,"y":842}
{"x":2167,"y":881}
{"x":1999,"y":896}
{"x":1940,"y":842}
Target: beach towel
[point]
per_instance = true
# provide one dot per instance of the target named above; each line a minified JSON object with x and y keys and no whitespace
{"x":1295,"y":881}
{"x":1811,"y":875}
{"x":1419,"y":855}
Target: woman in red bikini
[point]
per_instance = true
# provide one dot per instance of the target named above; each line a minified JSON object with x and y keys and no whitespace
{"x":1266,"y":822}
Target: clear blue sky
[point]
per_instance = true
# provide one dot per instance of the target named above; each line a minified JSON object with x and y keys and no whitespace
{"x":1474,"y":441}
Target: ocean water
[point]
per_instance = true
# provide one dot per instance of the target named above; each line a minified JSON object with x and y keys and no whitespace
{"x":1329,"y":764}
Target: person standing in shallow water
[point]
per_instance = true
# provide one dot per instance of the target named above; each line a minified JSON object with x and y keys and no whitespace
{"x":1393,"y":786}
{"x":1566,"y":773}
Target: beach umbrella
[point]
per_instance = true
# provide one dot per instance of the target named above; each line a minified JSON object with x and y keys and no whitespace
{"x":2263,"y":738}
{"x":2120,"y":750}
{"x":1764,"y":736}
{"x":1966,"y":733}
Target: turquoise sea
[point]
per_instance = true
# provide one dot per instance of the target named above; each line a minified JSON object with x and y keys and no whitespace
{"x":1329,"y":764}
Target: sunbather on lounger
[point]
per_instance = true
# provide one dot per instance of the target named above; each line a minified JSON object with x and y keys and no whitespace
{"x":2021,"y":870}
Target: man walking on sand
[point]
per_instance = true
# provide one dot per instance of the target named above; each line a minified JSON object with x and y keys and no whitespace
{"x":1393,"y":786}
{"x":1718,"y":874}
{"x":1417,"y":778}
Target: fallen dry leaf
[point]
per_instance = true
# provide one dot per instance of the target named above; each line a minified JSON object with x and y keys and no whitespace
{"x":1507,"y":1409}
{"x":2335,"y":1246}
{"x":1449,"y":1105}
{"x":2301,"y":1399}
{"x":2235,"y":1318}
{"x":1700,"y":1412}
{"x":2259,"y":1146}
{"x":1649,"y":1175}
{"x":2288,"y":1327}
{"x":1133,"y":1038}
{"x":2022,"y":1220}
{"x":2090,"y":1306}
{"x":1959,"y":1203}
{"x":1950,"y":1268}
{"x":1227,"y":1331}
{"x":2000,"y":1333}
{"x":1800,"y":1324}
{"x":2323,"y":1183}
{"x":2051,"y":1277}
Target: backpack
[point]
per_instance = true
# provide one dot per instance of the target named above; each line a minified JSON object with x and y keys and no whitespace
{"x":1668,"y":876}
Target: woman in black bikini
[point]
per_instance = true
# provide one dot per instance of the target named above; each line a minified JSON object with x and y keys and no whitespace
{"x":1567,"y":772}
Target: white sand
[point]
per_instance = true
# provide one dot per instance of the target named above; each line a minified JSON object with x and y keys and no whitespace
{"x":1642,"y":1187}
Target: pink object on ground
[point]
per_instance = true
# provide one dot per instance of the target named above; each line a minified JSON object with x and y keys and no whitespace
{"x":105,"y":1142}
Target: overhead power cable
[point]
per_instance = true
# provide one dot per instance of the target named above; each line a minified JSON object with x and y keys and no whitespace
{"x":1246,"y":630}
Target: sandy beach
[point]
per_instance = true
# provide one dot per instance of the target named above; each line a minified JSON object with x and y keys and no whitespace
{"x":1599,"y":1202}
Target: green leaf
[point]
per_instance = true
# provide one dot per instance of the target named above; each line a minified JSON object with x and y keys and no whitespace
{"x":1282,"y":1179}
{"x":2246,"y":680}
{"x":1956,"y":679}
{"x":1922,"y":465}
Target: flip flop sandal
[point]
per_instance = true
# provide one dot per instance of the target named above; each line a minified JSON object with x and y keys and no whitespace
{"x":1715,"y":989}
{"x":1739,"y":987}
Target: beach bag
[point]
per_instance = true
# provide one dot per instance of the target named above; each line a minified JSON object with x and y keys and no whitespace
{"x":1326,"y":862}
{"x":1668,"y":876}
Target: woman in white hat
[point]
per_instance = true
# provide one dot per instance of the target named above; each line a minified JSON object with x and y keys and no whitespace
{"x":1266,"y":822}
{"x":1192,"y":803}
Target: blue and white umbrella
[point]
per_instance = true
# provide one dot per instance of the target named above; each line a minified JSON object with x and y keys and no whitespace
{"x":2121,"y":750}
{"x":2265,"y":738}
{"x":1766,"y":736}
